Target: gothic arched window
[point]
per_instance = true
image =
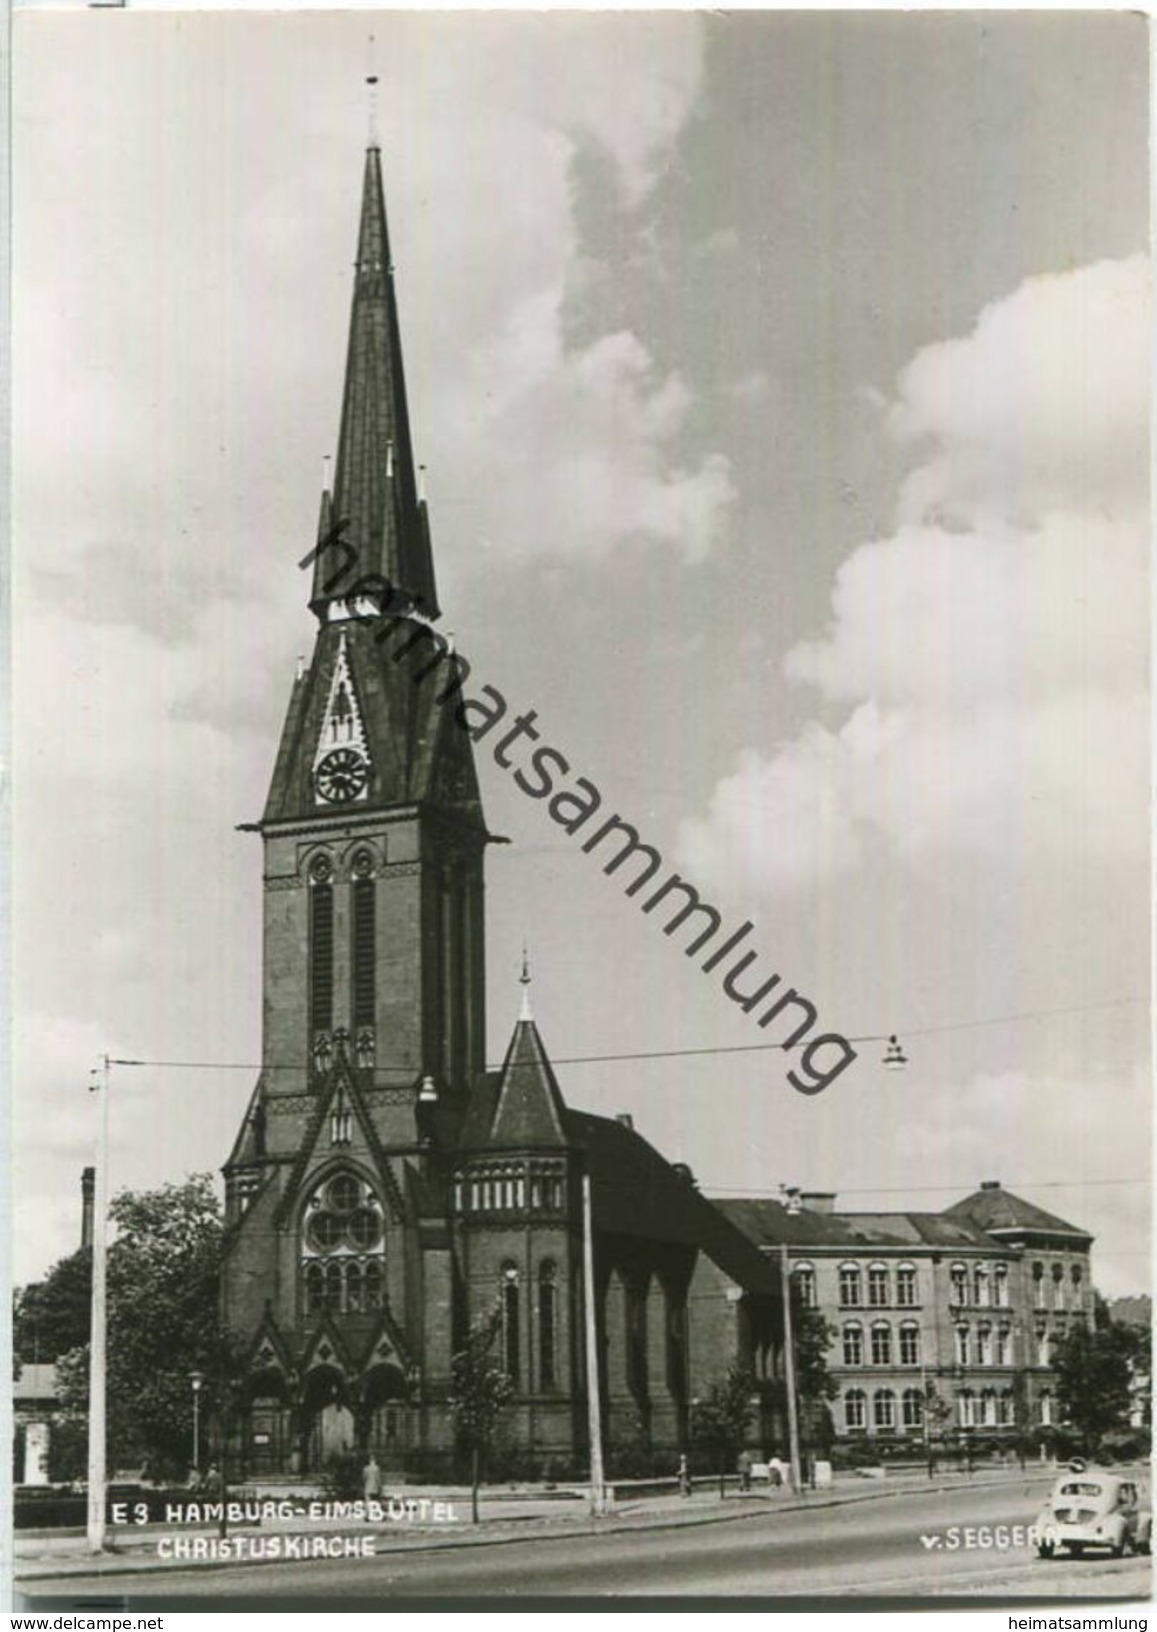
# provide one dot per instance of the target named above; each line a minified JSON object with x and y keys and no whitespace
{"x":342,"y":1246}
{"x":320,"y":947}
{"x":363,"y":919}
{"x":547,"y":1323}
{"x":510,"y":1313}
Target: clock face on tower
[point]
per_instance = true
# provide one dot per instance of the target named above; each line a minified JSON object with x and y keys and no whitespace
{"x":341,"y":776}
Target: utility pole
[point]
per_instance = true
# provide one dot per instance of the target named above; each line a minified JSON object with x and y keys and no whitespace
{"x":789,"y":1368}
{"x":97,"y":1368}
{"x":594,"y":1414}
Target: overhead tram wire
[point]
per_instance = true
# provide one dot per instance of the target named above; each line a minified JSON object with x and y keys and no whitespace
{"x":684,"y":1053}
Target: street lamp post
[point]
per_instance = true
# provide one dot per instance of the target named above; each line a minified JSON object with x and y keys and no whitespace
{"x":97,"y":1370}
{"x":196,"y":1379}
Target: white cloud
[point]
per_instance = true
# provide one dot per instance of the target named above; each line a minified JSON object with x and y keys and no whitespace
{"x":992,"y":652}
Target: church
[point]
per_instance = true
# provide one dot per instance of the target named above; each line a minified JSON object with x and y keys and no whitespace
{"x":387,"y":1191}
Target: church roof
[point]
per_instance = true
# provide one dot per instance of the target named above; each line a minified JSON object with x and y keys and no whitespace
{"x":998,"y":1211}
{"x":636,"y":1191}
{"x":529,"y":1109}
{"x":375,"y":498}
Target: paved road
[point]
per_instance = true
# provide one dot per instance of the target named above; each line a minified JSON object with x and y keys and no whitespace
{"x":871,"y":1549}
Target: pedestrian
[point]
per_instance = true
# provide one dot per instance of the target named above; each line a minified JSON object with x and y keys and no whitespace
{"x":684,"y":1476}
{"x":743,"y":1464}
{"x":211,"y":1484}
{"x":371,"y":1478}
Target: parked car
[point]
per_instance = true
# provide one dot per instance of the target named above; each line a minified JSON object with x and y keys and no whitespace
{"x":1091,"y":1508}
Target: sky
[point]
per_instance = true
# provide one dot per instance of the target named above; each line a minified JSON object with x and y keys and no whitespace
{"x":781,"y":380}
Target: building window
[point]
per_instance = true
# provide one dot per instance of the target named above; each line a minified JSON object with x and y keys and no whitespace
{"x":881,"y":1344}
{"x":877,"y":1286}
{"x":1006,"y":1414}
{"x":1044,"y":1348}
{"x":321,"y":947}
{"x":849,"y":1286}
{"x":966,"y":1408}
{"x":804,"y":1276}
{"x":1058,"y":1286}
{"x":884,"y":1409}
{"x":1078,"y":1301}
{"x":962,"y":1345}
{"x":906,"y":1286}
{"x":510,"y":1321}
{"x":853,"y":1345}
{"x":1046,"y":1409}
{"x":1038,"y":1286}
{"x":547,"y":1323}
{"x":855,"y":1409}
{"x":342,"y":1247}
{"x":1000,"y":1285}
{"x":912,"y":1408}
{"x":988,"y":1408}
{"x":984,"y":1344}
{"x":980,"y":1286}
{"x":364,"y":944}
{"x":1004,"y":1346}
{"x":909,"y":1343}
{"x":958,"y":1277}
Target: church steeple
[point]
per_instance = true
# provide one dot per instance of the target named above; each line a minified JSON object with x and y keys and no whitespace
{"x":375,"y":500}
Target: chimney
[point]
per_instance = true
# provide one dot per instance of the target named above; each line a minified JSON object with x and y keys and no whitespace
{"x":818,"y":1201}
{"x":990,"y":1184}
{"x":793,"y":1200}
{"x":625,"y":1118}
{"x":87,"y":1192}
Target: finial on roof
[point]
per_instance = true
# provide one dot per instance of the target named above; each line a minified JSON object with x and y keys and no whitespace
{"x":326,"y":465}
{"x":372,"y":89}
{"x":525,"y":1013}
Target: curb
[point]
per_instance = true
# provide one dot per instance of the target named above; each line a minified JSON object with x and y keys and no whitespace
{"x":520,"y":1530}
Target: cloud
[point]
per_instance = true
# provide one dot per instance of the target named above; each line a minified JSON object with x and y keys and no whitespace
{"x":992,"y":653}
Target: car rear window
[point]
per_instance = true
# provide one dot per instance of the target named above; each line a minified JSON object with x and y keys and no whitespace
{"x":1080,"y":1490}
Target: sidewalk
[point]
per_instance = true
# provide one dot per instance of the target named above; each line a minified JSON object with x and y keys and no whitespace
{"x":504,"y":1517}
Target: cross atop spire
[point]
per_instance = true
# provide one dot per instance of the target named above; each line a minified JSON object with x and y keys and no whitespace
{"x":374,"y":500}
{"x":525,"y":1012}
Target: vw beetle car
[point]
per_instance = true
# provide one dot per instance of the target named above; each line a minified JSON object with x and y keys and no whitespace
{"x":1091,"y":1508}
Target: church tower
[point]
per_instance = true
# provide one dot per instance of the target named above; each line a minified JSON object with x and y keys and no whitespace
{"x":373,"y":980}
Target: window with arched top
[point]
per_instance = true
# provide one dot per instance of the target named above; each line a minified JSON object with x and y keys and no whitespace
{"x":320,"y":950}
{"x":958,"y":1284}
{"x":547,"y":1324}
{"x":966,"y":1408}
{"x":878,"y":1286}
{"x":342,"y":1245}
{"x":853,"y":1344}
{"x":509,"y":1296}
{"x":906,"y":1286}
{"x":804,"y":1278}
{"x":912,"y":1408}
{"x":1006,"y":1408}
{"x":962,"y":1345}
{"x":980,"y":1286}
{"x":1038,"y":1286}
{"x":884,"y":1409}
{"x":849,"y":1286}
{"x":363,"y":945}
{"x":909,"y":1343}
{"x":881,"y":1343}
{"x":855,"y":1409}
{"x":1000,"y":1286}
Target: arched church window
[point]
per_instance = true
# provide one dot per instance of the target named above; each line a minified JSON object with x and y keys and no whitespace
{"x":364,"y":942}
{"x":510,"y":1313}
{"x":320,"y":946}
{"x":547,"y":1323}
{"x":343,"y":1246}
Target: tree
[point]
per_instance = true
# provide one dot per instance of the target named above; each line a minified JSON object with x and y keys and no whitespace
{"x":53,"y":1315}
{"x":723,"y":1418}
{"x":1094,"y":1377}
{"x":814,"y":1384}
{"x":479,"y":1392}
{"x":163,"y":1324}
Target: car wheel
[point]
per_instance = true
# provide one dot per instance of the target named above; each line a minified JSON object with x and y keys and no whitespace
{"x":1120,"y":1548}
{"x":1076,"y":1548}
{"x":1143,"y":1547}
{"x":1045,"y":1549}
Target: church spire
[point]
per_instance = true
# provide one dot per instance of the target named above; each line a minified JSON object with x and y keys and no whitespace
{"x":375,"y":498}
